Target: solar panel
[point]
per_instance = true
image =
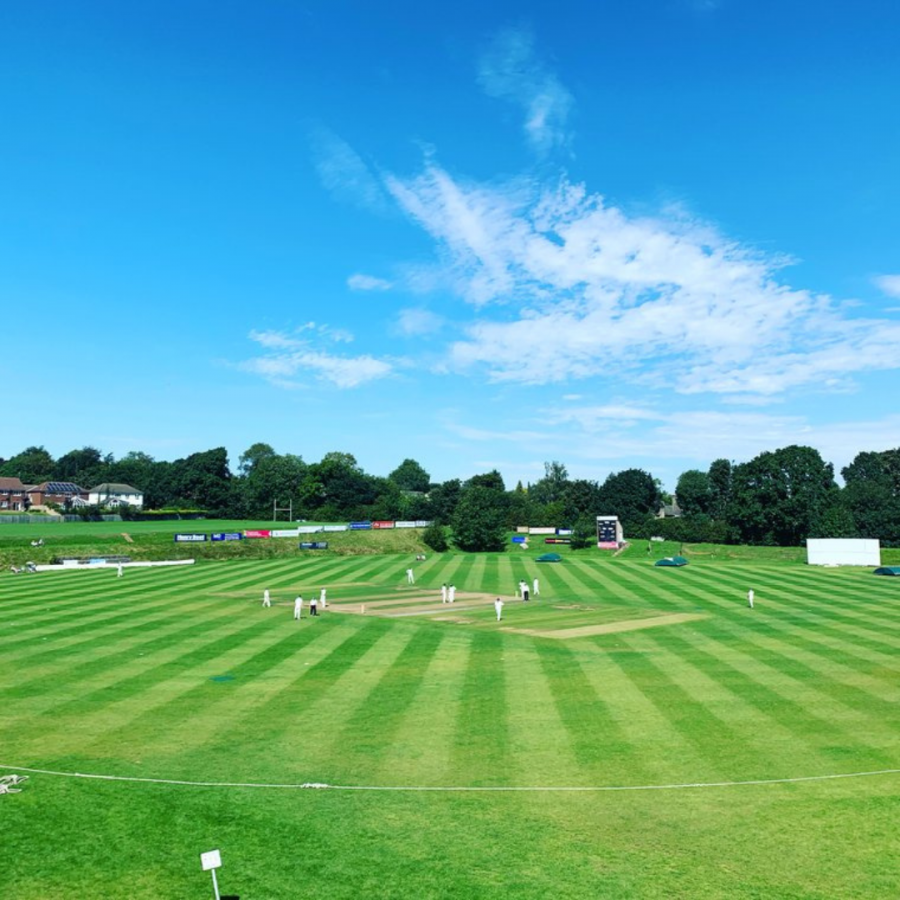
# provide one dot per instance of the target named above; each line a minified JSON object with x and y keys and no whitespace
{"x":62,"y":487}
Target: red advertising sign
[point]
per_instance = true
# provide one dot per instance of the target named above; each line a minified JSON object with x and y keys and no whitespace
{"x":257,"y":534}
{"x":382,"y":524}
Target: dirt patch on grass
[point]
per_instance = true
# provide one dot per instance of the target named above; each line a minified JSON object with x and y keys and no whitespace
{"x":564,"y":634}
{"x":427,"y":605}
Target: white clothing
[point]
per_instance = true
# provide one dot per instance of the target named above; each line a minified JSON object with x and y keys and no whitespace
{"x":322,"y":597}
{"x":266,"y":600}
{"x":750,"y":598}
{"x":451,"y":593}
{"x":120,"y":571}
{"x":410,"y":578}
{"x":537,"y":588}
{"x":298,"y":607}
{"x":498,"y":605}
{"x":443,"y":593}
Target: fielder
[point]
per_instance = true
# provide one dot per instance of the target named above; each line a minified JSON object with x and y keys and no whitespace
{"x":498,"y":606}
{"x":750,"y":598}
{"x":322,"y":598}
{"x":537,"y":587}
{"x":298,"y":608}
{"x":267,"y":601}
{"x":410,"y":578}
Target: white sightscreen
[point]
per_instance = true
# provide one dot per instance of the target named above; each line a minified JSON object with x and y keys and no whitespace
{"x":843,"y":552}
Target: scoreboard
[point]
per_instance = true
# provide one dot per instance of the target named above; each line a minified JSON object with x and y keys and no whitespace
{"x":609,"y":532}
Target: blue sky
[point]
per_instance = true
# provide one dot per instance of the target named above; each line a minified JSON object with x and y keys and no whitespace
{"x":478,"y":235}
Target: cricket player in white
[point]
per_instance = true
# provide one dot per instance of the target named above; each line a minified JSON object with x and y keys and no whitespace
{"x":498,"y":606}
{"x":443,"y":593}
{"x":267,"y":601}
{"x":120,"y":571}
{"x":322,"y":598}
{"x":537,"y":587}
{"x":298,"y":608}
{"x":451,"y":593}
{"x":410,"y":578}
{"x":750,"y":598}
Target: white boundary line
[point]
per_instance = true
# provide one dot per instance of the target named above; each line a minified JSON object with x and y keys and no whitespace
{"x":458,"y":789}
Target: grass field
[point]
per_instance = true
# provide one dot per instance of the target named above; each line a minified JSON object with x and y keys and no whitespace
{"x":619,"y":675}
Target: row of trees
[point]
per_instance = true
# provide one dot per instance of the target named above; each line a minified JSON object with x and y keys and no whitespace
{"x":779,"y":497}
{"x":480,"y":509}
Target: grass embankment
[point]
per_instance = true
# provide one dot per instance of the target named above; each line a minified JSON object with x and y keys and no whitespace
{"x":124,"y":677}
{"x":155,"y":540}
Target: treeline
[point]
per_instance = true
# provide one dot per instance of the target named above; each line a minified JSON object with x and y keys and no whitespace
{"x":781,"y":497}
{"x":778,"y":498}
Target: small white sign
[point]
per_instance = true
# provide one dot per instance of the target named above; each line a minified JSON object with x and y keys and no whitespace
{"x":211,"y":860}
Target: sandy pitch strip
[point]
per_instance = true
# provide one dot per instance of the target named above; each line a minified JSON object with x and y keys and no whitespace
{"x":565,"y":634}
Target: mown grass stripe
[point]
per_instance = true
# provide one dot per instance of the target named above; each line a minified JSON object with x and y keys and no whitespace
{"x":481,"y":739}
{"x":422,"y":747}
{"x":799,"y":712}
{"x":600,"y":747}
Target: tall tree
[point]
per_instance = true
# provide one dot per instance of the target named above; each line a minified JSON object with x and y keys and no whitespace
{"x":492,"y":479}
{"x":33,"y":465}
{"x":444,"y":498}
{"x":134,"y":468}
{"x":719,"y":488}
{"x":779,"y":497}
{"x":693,"y":493}
{"x":273,"y":479}
{"x":203,"y":480}
{"x":86,"y":467}
{"x":410,"y":476}
{"x":631,"y":495}
{"x":581,"y":499}
{"x":872,"y":495}
{"x":253,"y":456}
{"x":552,"y":486}
{"x":479,"y":522}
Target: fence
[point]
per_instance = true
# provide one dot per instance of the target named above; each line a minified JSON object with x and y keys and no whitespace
{"x":50,"y":520}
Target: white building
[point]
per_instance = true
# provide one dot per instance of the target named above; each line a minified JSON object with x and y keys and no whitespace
{"x":108,"y":494}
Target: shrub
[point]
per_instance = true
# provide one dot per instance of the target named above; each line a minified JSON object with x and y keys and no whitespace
{"x":435,"y":537}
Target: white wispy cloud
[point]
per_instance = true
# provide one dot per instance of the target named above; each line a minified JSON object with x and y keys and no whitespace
{"x":567,"y":286}
{"x":888,"y":284}
{"x":344,"y":173}
{"x":361,"y":282}
{"x":510,"y":70}
{"x":414,"y":322}
{"x":292,"y":361}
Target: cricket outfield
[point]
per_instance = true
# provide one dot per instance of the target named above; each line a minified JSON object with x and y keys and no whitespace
{"x":631,"y":732}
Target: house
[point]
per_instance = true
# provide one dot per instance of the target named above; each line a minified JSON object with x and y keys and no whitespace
{"x":12,"y":495}
{"x":669,"y":510}
{"x":62,"y":493}
{"x":111,"y":494}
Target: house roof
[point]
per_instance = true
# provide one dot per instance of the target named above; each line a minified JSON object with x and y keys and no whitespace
{"x":111,"y":487}
{"x":58,"y":487}
{"x":11,"y":484}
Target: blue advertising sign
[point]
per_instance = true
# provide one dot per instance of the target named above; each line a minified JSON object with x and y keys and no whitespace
{"x":227,"y":536}
{"x":189,"y":538}
{"x":519,"y":539}
{"x":313,"y":545}
{"x":358,"y":526}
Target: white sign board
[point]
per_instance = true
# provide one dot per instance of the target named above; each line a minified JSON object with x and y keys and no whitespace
{"x":211,"y":860}
{"x":843,"y":552}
